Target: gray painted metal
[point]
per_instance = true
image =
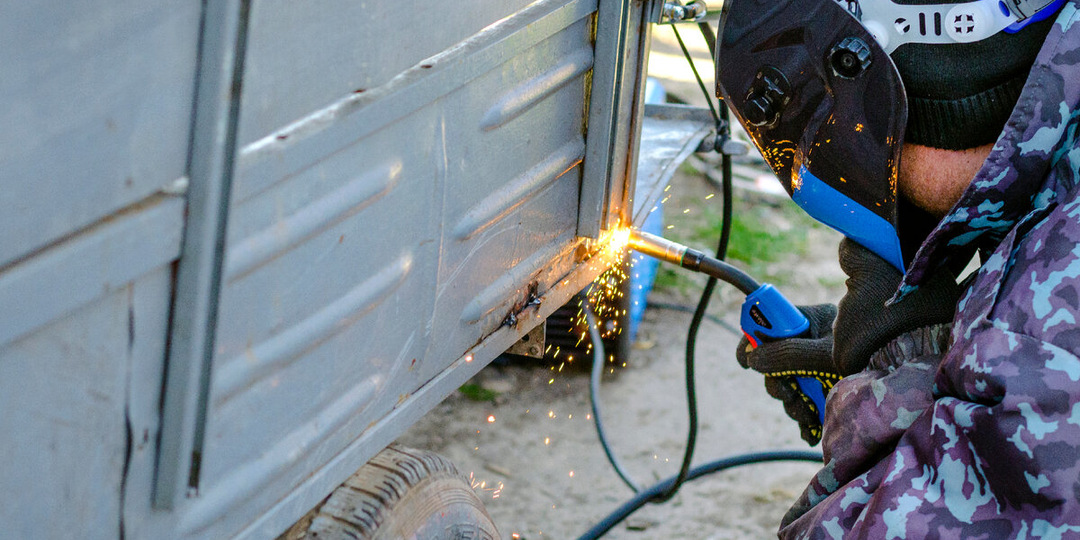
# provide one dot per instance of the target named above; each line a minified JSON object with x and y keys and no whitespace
{"x":335,"y":41}
{"x":617,"y":101}
{"x":64,"y":462}
{"x":372,"y":216}
{"x":213,"y":147}
{"x":108,"y":255}
{"x":632,"y":109}
{"x":613,"y":20}
{"x":98,"y":99}
{"x":100,"y":90}
{"x":668,"y":137}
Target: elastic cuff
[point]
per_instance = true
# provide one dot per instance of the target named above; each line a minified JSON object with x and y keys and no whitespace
{"x":930,"y":341}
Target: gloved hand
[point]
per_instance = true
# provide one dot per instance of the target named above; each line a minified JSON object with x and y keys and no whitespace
{"x":781,"y":361}
{"x":863,"y":324}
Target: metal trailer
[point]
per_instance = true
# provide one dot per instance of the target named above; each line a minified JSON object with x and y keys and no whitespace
{"x":247,"y":243}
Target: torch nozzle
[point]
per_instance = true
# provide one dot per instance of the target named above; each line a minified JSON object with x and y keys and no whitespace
{"x":655,"y":246}
{"x":691,"y":259}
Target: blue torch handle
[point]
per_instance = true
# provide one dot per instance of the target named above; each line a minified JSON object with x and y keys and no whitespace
{"x":813,"y":389}
{"x":768,"y":316}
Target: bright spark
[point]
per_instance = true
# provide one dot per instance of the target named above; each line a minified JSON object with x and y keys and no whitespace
{"x":619,"y":238}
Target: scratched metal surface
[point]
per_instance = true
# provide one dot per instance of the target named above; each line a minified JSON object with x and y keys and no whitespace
{"x":65,"y":385}
{"x":337,"y":50}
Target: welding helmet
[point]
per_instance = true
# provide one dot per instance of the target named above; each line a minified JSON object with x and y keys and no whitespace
{"x":813,"y":84}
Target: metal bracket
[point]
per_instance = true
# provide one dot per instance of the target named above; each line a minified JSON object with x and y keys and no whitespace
{"x":531,"y":344}
{"x":674,"y":11}
{"x":714,"y":142}
{"x":198,"y":274}
{"x":723,"y":144}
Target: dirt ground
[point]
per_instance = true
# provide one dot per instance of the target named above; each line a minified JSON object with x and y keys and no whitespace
{"x":533,"y":451}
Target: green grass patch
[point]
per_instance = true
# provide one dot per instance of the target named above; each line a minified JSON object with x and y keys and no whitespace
{"x":762,"y":237}
{"x":475,"y":392}
{"x":669,"y":278}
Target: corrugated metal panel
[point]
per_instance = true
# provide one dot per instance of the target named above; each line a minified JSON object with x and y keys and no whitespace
{"x":365,"y":257}
{"x":303,"y":60}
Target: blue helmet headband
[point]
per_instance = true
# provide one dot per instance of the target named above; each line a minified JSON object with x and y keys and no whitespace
{"x":893,"y":25}
{"x":813,"y":84}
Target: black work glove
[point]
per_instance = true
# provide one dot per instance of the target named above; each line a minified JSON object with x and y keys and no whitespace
{"x":864,"y":323}
{"x":807,"y":356}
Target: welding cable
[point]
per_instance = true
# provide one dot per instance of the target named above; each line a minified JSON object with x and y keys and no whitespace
{"x":710,"y":37}
{"x":594,"y":396}
{"x":644,"y":497}
{"x":703,"y":305}
{"x":723,"y":130}
{"x":701,"y":84}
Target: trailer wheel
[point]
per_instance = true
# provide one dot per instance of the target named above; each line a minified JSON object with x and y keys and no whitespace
{"x":402,"y":493}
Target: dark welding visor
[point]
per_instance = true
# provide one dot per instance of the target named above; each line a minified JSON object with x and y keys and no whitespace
{"x":824,"y":105}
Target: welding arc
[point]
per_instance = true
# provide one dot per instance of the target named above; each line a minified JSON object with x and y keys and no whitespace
{"x":644,"y":497}
{"x":594,"y":396}
{"x":666,"y":489}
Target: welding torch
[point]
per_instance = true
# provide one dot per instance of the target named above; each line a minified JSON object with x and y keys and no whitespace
{"x":766,"y":314}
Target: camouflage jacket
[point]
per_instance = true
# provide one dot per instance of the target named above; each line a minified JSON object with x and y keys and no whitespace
{"x":982,"y":441}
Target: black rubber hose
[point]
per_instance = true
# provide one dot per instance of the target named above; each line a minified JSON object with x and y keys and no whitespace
{"x":642,"y":498}
{"x":699,"y":315}
{"x":701,"y":84}
{"x":594,"y":397}
{"x":728,"y":274}
{"x":710,"y":37}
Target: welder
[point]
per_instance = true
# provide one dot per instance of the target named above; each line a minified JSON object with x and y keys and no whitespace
{"x":937,"y":137}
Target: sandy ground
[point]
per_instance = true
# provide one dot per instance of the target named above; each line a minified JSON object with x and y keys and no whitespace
{"x":533,"y":451}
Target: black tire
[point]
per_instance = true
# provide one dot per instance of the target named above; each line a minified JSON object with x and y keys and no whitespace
{"x":402,"y":493}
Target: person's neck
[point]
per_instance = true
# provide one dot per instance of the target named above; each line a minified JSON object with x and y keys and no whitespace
{"x":934,"y":179}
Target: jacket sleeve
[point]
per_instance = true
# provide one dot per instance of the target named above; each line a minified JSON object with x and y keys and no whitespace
{"x":994,"y":449}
